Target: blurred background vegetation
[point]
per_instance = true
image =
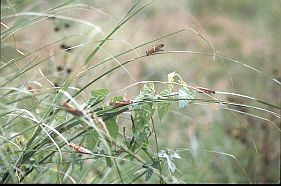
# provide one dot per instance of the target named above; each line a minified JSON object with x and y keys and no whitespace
{"x":215,"y":144}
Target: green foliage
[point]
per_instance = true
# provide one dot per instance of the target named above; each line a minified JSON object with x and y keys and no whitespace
{"x":148,"y":174}
{"x":147,"y":102}
{"x":97,"y":96}
{"x":60,"y":118}
{"x":112,"y":127}
{"x":149,"y":169}
{"x":91,"y":139}
{"x":117,"y":98}
{"x":144,"y":107}
{"x":169,"y":156}
{"x":164,"y":107}
{"x":185,"y":96}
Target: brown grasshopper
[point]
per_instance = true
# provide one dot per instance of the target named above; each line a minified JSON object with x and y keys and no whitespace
{"x":154,"y":49}
{"x":205,"y":90}
{"x":79,"y":149}
{"x":71,"y":109}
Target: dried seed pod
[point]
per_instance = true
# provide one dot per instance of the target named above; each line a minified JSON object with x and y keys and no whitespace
{"x":56,"y":29}
{"x":155,"y":49}
{"x":68,"y":70}
{"x":100,"y":124}
{"x":51,"y":17}
{"x":65,"y":47}
{"x":56,"y":85}
{"x":68,"y":48}
{"x":62,"y":46}
{"x":71,"y":109}
{"x":59,"y":68}
{"x":30,"y":88}
{"x":205,"y":90}
{"x":79,"y":149}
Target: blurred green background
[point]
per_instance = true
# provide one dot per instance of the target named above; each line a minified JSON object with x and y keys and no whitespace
{"x":244,"y":30}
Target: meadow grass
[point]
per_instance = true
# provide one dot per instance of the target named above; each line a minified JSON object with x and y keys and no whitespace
{"x":83,"y":102}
